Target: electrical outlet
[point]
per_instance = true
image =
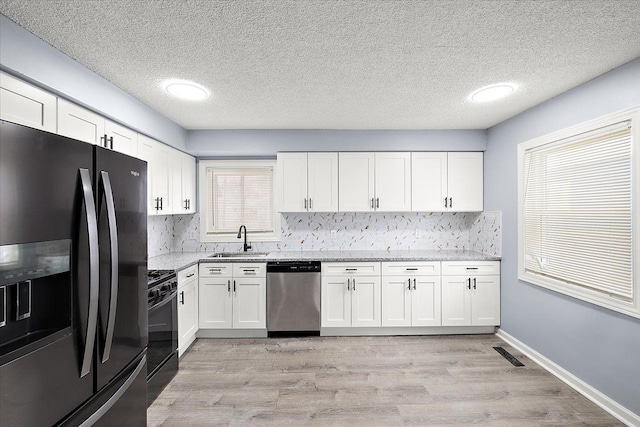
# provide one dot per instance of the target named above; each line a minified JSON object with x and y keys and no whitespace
{"x":418,"y":233}
{"x":334,"y":234}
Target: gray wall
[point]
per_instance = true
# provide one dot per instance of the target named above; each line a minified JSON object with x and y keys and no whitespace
{"x":597,"y":345}
{"x":266,"y":143}
{"x":30,"y":58}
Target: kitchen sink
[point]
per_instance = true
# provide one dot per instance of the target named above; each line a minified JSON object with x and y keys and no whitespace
{"x":239,"y":255}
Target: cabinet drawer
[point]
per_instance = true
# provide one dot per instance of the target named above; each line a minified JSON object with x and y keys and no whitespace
{"x":470,"y":268}
{"x":216,"y":269}
{"x":250,"y":269}
{"x":187,"y":274}
{"x":413,"y":268}
{"x":350,"y":268}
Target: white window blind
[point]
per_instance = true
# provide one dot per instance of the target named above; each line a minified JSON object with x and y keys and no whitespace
{"x":239,"y":196}
{"x":578,"y":211}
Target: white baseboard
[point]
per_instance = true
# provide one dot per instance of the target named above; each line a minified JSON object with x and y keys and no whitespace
{"x":408,"y":330}
{"x":600,"y":399}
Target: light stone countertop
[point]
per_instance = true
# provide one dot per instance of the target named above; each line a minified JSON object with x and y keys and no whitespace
{"x":181,"y":260}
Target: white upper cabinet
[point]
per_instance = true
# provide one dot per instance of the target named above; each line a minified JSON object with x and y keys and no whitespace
{"x":393,"y":182}
{"x":84,"y":125}
{"x":121,"y":139}
{"x":307,"y":182}
{"x":26,"y":105}
{"x":157,"y":157}
{"x":375,"y":182}
{"x":447,"y":182}
{"x":356,"y":183}
{"x":465,"y":182}
{"x":182,"y":175}
{"x":79,"y":123}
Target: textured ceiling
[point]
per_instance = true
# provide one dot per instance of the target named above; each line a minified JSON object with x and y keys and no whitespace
{"x":374,"y":64}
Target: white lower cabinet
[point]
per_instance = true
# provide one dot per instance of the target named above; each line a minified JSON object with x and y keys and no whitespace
{"x":471,"y":299}
{"x":411,"y":294}
{"x":187,"y":307}
{"x":233,"y":296}
{"x":350,"y":296}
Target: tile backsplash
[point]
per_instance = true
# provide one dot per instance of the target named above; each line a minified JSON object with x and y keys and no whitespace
{"x":479,"y":232}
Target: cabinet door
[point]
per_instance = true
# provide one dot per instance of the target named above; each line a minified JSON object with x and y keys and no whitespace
{"x":249,"y":303}
{"x":124,"y":139}
{"x":426,"y":301}
{"x":396,"y":301}
{"x":456,"y":301}
{"x":465,"y":182}
{"x":336,"y":302}
{"x":26,"y":105}
{"x":146,"y":153}
{"x":393,"y":182}
{"x":187,"y":315}
{"x":162,"y":159}
{"x":79,"y":123}
{"x":292,"y":182}
{"x":174,"y":169}
{"x":215,"y":303}
{"x":428,"y":182}
{"x":189,"y":182}
{"x":356,"y":175}
{"x":485,"y":301}
{"x":365,"y":301}
{"x":322,"y":183}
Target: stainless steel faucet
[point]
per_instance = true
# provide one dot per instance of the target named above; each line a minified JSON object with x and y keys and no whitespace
{"x":246,"y":246}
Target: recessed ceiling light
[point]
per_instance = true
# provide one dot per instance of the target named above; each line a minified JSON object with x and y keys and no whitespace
{"x":186,"y":90}
{"x":492,"y":92}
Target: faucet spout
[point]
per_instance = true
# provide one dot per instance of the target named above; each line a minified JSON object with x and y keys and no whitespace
{"x":246,"y":246}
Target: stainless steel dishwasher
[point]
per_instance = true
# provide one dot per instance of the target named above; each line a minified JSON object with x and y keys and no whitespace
{"x":293,"y":298}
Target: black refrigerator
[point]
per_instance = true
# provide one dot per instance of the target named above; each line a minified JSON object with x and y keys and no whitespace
{"x":73,"y":266}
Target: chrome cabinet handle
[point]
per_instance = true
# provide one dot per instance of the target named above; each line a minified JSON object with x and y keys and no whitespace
{"x":377,"y":202}
{"x":351,"y":269}
{"x":160,"y":203}
{"x":305,"y":204}
{"x":445,"y":203}
{"x":354,"y":284}
{"x":182,"y":297}
{"x":450,"y":202}
{"x":409,"y":280}
{"x":234,"y":286}
{"x":229,"y":286}
{"x":113,"y":240}
{"x":414,"y":284}
{"x":474,"y":283}
{"x":411,"y":269}
{"x":348,"y":284}
{"x":372,"y":203}
{"x":469,"y":283}
{"x":111,"y":143}
{"x":94,"y":265}
{"x":472,"y":268}
{"x":191,"y":275}
{"x":310,"y":207}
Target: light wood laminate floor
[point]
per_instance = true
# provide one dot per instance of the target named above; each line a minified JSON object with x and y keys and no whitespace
{"x":366,"y":381}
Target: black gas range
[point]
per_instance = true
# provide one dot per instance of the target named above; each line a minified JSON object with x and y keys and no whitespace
{"x":162,"y":353}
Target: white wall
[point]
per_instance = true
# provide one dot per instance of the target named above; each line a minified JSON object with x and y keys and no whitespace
{"x":31,"y":59}
{"x":597,"y":345}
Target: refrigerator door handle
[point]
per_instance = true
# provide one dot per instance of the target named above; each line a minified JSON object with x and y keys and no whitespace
{"x":113,"y":240}
{"x":94,"y":263}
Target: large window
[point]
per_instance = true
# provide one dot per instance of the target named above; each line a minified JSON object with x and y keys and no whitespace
{"x":578,"y":219}
{"x":235,"y":193}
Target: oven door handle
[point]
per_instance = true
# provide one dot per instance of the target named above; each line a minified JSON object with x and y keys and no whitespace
{"x":164,"y":302}
{"x":113,"y":240}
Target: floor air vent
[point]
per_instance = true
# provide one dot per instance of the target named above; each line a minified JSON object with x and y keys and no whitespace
{"x":508,"y":356}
